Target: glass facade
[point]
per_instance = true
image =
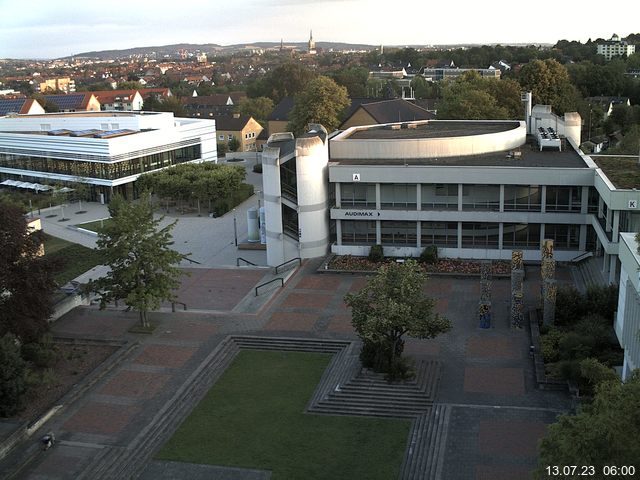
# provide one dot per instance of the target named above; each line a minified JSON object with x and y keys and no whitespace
{"x":520,"y":235}
{"x":358,"y":195}
{"x":441,"y":234}
{"x":563,"y":199}
{"x":399,"y":233}
{"x":480,"y":235}
{"x":356,"y":232}
{"x":522,"y":198}
{"x":102,"y":170}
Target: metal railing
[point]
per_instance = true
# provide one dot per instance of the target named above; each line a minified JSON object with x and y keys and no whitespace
{"x":267,"y":283}
{"x":581,"y":257}
{"x":287,"y":262}
{"x":245,"y":261}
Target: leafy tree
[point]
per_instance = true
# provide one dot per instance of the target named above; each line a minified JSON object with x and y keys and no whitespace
{"x":601,"y":433}
{"x":475,"y":98}
{"x":286,"y":80}
{"x":170,"y":104}
{"x":143,"y":269}
{"x":233,"y":144}
{"x":130,"y":85}
{"x":550,"y":84}
{"x":26,"y":278}
{"x":391,"y":305}
{"x":354,"y":79}
{"x":259,"y":108}
{"x":13,"y":373}
{"x":630,"y":144}
{"x":222,"y":148}
{"x":322,"y":101}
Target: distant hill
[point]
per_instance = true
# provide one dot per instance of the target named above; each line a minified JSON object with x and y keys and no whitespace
{"x":211,"y":48}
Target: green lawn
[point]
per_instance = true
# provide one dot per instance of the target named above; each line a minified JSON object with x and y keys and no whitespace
{"x":94,"y":226}
{"x":253,"y":418}
{"x":76,"y":259}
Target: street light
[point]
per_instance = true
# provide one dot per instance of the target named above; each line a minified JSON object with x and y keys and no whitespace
{"x":235,"y":227}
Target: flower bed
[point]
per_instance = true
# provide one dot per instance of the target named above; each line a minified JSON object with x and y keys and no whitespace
{"x":445,"y":265}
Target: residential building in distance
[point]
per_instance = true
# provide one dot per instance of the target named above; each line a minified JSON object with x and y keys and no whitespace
{"x":241,"y":127}
{"x":614,"y":47}
{"x":376,"y":111}
{"x":64,"y":85}
{"x":607,"y":103}
{"x":75,"y":102}
{"x":107,"y":150}
{"x":22,"y":106}
{"x":438,"y":74}
{"x":119,"y":100}
{"x":213,"y":105}
{"x":278,"y":119}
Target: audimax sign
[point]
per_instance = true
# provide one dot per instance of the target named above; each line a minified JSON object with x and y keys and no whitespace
{"x":361,"y":213}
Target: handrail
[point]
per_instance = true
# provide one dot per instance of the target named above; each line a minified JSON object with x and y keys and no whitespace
{"x":184,"y":257}
{"x":580,"y":257}
{"x":244,"y":260}
{"x":270,"y":281}
{"x":173,"y":305}
{"x":288,"y":261}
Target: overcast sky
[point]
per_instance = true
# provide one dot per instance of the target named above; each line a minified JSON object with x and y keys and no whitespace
{"x":46,"y":29}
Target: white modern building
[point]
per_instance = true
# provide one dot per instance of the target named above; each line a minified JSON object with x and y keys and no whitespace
{"x":614,"y":47}
{"x":627,"y":323}
{"x":107,"y":150}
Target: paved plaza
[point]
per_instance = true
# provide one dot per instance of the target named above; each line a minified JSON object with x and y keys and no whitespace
{"x":497,"y":414}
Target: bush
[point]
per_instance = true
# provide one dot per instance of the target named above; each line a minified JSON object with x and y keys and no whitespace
{"x":549,"y":345}
{"x":13,"y":373}
{"x":570,"y":306}
{"x":376,"y":253}
{"x":429,"y":254}
{"x":602,"y":300}
{"x":41,"y":354}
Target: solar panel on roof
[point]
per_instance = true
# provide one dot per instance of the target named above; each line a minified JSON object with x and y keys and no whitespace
{"x":85,"y":133}
{"x":13,"y":105}
{"x":59,"y":132}
{"x":66,"y":102}
{"x":115,"y":133}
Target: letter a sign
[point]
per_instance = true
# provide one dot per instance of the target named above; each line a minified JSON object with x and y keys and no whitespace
{"x":356,"y":177}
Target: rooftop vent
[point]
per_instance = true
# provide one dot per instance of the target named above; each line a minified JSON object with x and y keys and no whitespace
{"x":395,"y":126}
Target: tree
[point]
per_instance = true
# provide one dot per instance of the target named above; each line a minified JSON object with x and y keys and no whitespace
{"x":143,"y":269}
{"x":322,"y":101}
{"x":602,"y":433}
{"x":354,"y":79}
{"x":287,"y":80}
{"x":550,"y":84}
{"x":13,"y":372}
{"x":259,"y":108}
{"x":475,"y":98}
{"x":233,"y":144}
{"x":26,"y":278}
{"x":391,"y":305}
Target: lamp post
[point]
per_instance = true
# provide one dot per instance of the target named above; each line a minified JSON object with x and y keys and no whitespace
{"x":235,"y":228}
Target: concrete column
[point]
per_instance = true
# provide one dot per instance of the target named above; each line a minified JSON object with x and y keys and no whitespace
{"x":613,"y":269}
{"x":600,"y":207}
{"x":419,"y":234}
{"x":378,"y":232}
{"x":418,"y":197}
{"x":338,"y":195}
{"x":542,"y":234}
{"x":605,"y":264}
{"x":339,"y":232}
{"x":582,"y":245}
{"x":616,"y":225}
{"x":584,"y":203}
{"x":609,"y":220}
{"x":378,"y":200}
{"x":500,"y":234}
{"x":459,"y":234}
{"x":543,"y":199}
{"x":459,"y":197}
{"x":502,"y":198}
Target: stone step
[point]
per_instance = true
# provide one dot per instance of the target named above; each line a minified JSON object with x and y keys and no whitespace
{"x":363,"y":411}
{"x":348,"y":391}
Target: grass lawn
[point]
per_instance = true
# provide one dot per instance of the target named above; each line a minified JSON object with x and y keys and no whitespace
{"x":254,"y":418}
{"x":76,"y":259}
{"x":94,"y":226}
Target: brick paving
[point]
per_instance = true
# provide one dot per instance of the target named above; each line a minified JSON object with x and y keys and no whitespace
{"x":135,"y":384}
{"x":165,"y":355}
{"x":101,"y":418}
{"x":499,"y":381}
{"x":487,"y":378}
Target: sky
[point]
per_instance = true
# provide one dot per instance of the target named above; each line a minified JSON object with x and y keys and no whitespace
{"x":46,"y":29}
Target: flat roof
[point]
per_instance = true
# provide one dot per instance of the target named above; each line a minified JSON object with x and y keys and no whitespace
{"x":432,"y":129}
{"x":101,"y":113}
{"x":623,"y":172}
{"x":530,"y":157}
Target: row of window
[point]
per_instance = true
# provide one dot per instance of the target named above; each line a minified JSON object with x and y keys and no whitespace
{"x":474,"y":197}
{"x":445,"y":234}
{"x":104,"y":170}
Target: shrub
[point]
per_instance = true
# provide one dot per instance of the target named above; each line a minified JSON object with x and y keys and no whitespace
{"x":13,"y":372}
{"x":570,"y":306}
{"x":42,"y":353}
{"x":376,"y":253}
{"x":549,"y":345}
{"x":429,"y":254}
{"x":576,"y":345}
{"x":602,"y":300}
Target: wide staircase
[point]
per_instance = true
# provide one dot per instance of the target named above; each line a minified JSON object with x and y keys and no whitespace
{"x":590,"y":273}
